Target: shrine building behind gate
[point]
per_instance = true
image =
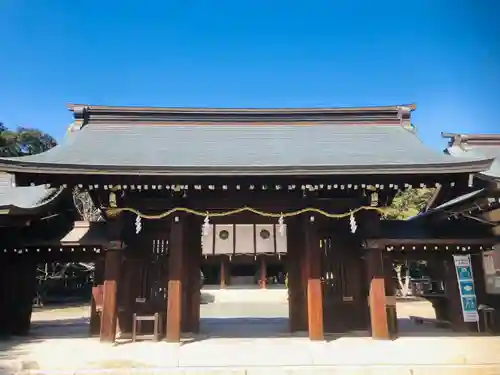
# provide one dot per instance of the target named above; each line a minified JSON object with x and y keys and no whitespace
{"x":163,"y":176}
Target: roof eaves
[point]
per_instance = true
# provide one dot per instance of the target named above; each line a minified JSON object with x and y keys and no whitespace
{"x":50,"y":196}
{"x":469,"y":166}
{"x":463,"y":199}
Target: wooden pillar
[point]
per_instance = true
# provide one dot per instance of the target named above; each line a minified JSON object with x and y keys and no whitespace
{"x":23,"y":285}
{"x":192,"y":288}
{"x":175,"y":272}
{"x":95,"y":315}
{"x":376,"y":297}
{"x":186,"y":279}
{"x":5,"y":282}
{"x":262,"y":273}
{"x":223,"y":273}
{"x":109,"y":315}
{"x":296,"y":296}
{"x":196,"y":282}
{"x":303,"y":267}
{"x":314,"y":288}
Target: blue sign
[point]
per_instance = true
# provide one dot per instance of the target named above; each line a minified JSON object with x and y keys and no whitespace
{"x":469,"y":304}
{"x":464,"y":273}
{"x":465,"y":280}
{"x":467,"y":288}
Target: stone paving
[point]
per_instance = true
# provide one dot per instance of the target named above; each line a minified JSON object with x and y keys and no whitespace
{"x":252,"y":338}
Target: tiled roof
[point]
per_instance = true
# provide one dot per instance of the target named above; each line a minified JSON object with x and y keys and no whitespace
{"x":478,"y":146}
{"x":457,"y":202}
{"x":27,"y":197}
{"x":242,"y":142}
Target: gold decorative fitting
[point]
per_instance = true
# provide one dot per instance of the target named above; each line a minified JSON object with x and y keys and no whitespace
{"x":113,"y":212}
{"x":112,"y":199}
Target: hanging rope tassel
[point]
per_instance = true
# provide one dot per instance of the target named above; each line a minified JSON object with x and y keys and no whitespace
{"x":281,"y":223}
{"x":353,"y":224}
{"x":138,"y":224}
{"x":206,"y":225}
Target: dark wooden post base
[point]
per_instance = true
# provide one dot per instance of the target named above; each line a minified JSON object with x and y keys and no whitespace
{"x":109,"y":315}
{"x":175,"y":265}
{"x":223,"y":270}
{"x":192,"y":287}
{"x":377,"y":295}
{"x":314,"y":288}
{"x":17,"y":289}
{"x":296,"y":290}
{"x":262,"y":273}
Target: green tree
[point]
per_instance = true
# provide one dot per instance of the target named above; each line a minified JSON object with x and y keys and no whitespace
{"x":408,"y":203}
{"x":23,"y":141}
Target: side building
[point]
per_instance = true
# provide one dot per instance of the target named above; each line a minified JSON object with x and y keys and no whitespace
{"x":477,"y":210}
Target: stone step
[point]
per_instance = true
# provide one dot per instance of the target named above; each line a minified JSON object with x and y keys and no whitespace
{"x":305,"y":370}
{"x":244,"y":295}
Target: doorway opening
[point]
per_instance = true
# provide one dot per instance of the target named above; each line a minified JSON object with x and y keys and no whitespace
{"x":244,"y":292}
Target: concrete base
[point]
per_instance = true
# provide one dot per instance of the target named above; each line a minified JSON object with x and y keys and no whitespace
{"x":349,"y":355}
{"x":316,"y":370}
{"x":249,"y":339}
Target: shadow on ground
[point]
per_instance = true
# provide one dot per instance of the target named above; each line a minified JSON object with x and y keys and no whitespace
{"x":220,"y":321}
{"x":207,"y":298}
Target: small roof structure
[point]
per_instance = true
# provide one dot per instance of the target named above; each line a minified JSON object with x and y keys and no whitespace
{"x":82,"y":234}
{"x":478,"y":146}
{"x":24,"y":199}
{"x":419,"y":233}
{"x":229,"y":142}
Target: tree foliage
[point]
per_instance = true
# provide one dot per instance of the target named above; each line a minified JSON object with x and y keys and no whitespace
{"x":23,"y":141}
{"x":408,"y":203}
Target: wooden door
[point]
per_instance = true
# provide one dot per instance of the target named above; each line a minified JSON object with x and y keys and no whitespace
{"x":345,"y":305}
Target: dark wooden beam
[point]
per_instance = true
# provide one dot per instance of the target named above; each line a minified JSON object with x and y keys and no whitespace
{"x":377,"y":243}
{"x":102,"y":178}
{"x":270,"y":201}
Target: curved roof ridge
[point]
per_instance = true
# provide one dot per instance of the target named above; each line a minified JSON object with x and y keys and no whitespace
{"x":230,"y":110}
{"x":99,"y":114}
{"x":460,"y":138}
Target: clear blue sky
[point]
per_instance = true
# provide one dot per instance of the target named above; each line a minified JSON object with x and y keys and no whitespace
{"x":443,"y":55}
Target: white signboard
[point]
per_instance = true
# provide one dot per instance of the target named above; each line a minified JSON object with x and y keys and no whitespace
{"x":491,"y":267}
{"x":465,"y":280}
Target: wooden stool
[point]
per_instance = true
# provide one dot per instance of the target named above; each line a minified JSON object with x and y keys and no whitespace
{"x":136,"y":326}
